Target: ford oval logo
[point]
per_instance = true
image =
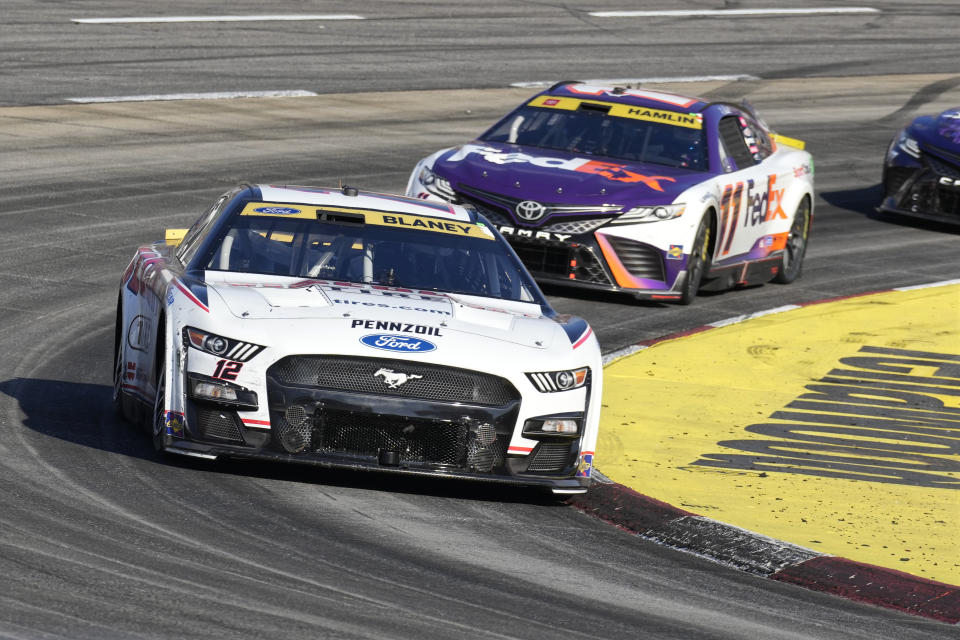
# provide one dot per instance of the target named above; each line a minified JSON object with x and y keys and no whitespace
{"x":403,"y":344}
{"x":278,"y":211}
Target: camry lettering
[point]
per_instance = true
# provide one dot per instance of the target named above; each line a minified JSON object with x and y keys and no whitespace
{"x":949,"y":182}
{"x":538,"y":235}
{"x":405,"y":327}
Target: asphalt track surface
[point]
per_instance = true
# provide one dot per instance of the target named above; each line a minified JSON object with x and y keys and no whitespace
{"x":99,"y":538}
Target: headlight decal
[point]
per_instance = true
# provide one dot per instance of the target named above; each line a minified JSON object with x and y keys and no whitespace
{"x":554,"y":381}
{"x":657,"y":213}
{"x":436,"y":185}
{"x":220,"y":346}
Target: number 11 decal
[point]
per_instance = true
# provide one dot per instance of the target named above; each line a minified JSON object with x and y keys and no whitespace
{"x":227,"y":369}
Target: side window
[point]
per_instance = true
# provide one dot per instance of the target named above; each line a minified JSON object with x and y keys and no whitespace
{"x":192,"y":240}
{"x":731,"y":135}
{"x":758,"y":143}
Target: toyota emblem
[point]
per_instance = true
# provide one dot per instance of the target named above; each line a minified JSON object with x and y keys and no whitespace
{"x":530,"y":210}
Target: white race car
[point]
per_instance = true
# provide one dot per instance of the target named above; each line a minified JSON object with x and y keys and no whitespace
{"x":355,"y":330}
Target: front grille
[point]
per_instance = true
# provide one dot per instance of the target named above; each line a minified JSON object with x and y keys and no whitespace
{"x":949,"y":201}
{"x":919,"y":190}
{"x":462,"y":444}
{"x":500,"y":218}
{"x":415,"y":440}
{"x":213,"y":424}
{"x":495,"y":215}
{"x":896,"y":177}
{"x":544,"y":258}
{"x":641,"y":260}
{"x":577,"y":227}
{"x":550,"y":457}
{"x":500,"y":208}
{"x":375,"y":375}
{"x":942,"y":168}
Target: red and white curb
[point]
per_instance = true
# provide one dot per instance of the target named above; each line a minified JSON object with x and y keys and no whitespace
{"x":757,"y":554}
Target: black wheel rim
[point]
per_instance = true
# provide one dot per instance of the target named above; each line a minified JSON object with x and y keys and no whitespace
{"x":697,"y":259}
{"x":159,"y":424}
{"x":796,"y":240}
{"x":118,"y":375}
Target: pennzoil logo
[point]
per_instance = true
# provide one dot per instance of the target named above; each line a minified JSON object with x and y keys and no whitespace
{"x":405,"y":327}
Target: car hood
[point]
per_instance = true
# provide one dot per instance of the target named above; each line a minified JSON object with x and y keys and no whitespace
{"x":941,"y":131}
{"x":376,"y":309}
{"x":548,"y":176}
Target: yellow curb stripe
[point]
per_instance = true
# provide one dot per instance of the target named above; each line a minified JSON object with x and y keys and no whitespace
{"x":757,"y":425}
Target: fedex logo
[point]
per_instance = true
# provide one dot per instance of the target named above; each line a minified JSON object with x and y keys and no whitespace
{"x":756,"y":206}
{"x":609,"y":170}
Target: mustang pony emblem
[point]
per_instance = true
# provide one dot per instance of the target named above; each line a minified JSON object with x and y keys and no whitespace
{"x":394,"y":379}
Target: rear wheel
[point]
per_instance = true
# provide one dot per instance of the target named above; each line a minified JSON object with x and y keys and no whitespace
{"x":158,"y":427}
{"x":791,"y":264}
{"x":698,"y":262}
{"x":123,"y":404}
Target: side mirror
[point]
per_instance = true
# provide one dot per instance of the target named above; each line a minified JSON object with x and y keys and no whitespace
{"x":174,"y":237}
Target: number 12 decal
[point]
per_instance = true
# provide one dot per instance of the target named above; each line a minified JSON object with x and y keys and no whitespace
{"x":227,"y":369}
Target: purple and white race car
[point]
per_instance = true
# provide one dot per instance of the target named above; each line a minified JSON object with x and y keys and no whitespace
{"x":647,"y":192}
{"x":921,"y":172}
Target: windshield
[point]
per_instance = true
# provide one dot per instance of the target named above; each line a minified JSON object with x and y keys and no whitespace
{"x":594,"y":132}
{"x":377,"y":252}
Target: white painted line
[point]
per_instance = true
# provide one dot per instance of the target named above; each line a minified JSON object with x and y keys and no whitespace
{"x":263,"y":18}
{"x":723,"y":13}
{"x":225,"y":95}
{"x":639,"y":81}
{"x":943,"y":283}
{"x":623,"y":353}
{"x":751,"y":316}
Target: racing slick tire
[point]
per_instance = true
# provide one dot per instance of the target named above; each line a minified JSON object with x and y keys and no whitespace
{"x":791,"y":264}
{"x":699,"y":262}
{"x":124,"y":407}
{"x":158,"y":422}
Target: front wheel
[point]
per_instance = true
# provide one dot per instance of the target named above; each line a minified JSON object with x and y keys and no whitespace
{"x":791,"y":264}
{"x":698,"y":262}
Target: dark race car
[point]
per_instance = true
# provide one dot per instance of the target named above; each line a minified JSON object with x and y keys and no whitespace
{"x":633,"y":190}
{"x":921,"y":172}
